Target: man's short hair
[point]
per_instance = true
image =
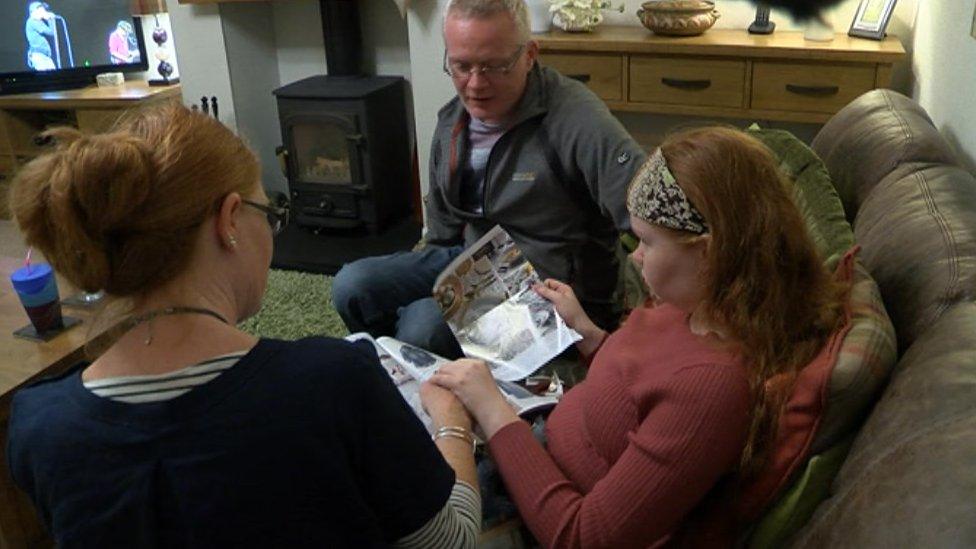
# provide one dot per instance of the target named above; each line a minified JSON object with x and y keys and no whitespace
{"x":34,"y":5}
{"x":477,"y":9}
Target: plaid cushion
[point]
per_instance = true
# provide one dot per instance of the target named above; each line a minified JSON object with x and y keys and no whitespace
{"x":865,"y":361}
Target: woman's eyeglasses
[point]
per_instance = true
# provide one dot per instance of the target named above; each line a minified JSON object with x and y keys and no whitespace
{"x":276,"y":211}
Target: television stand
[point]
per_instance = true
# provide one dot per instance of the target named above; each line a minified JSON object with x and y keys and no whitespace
{"x":90,"y":109}
{"x":26,"y":85}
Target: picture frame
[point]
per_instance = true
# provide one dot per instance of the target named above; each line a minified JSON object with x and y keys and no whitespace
{"x":871,"y":19}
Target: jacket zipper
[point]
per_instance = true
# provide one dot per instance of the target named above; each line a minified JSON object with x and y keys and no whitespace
{"x":484,"y":190}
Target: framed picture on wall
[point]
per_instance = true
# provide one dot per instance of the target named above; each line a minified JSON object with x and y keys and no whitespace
{"x":872,"y":18}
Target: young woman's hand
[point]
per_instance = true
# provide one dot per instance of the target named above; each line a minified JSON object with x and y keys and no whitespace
{"x":564,"y":300}
{"x":443,"y":407}
{"x":471,"y":381}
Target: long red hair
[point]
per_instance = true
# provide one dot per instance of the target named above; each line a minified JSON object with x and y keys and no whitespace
{"x":766,"y":285}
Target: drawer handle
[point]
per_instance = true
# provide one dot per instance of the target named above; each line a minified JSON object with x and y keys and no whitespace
{"x":584,"y":78}
{"x":686,"y":84}
{"x":815,"y":91}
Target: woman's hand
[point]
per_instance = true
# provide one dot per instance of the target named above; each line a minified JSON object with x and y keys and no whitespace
{"x":443,"y":407}
{"x":471,"y":381}
{"x":564,"y":300}
{"x":447,"y":411}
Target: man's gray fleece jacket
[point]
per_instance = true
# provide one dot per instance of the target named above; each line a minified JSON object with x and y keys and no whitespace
{"x":556,"y":181}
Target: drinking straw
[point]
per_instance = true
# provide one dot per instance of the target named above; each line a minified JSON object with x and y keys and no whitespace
{"x":27,"y":259}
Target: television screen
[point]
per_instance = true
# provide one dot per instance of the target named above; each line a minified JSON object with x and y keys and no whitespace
{"x":57,"y":39}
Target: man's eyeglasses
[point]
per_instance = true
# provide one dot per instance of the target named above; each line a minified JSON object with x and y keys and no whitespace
{"x":463,"y":69}
{"x":276,"y":211}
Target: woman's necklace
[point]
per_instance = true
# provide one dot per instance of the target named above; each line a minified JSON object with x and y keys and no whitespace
{"x":176,"y":310}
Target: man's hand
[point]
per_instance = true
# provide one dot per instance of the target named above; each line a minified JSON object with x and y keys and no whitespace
{"x":471,"y":381}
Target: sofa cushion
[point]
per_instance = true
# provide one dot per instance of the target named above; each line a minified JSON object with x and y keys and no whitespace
{"x":880,"y":133}
{"x":867,"y":356}
{"x":812,"y":191}
{"x":869,"y":350}
{"x":864,"y":361}
{"x":795,"y":507}
{"x":831,"y":395}
{"x":918,"y":234}
{"x":909,"y":479}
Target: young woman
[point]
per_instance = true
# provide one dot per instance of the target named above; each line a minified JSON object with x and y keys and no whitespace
{"x":675,"y":399}
{"x":188,"y":432}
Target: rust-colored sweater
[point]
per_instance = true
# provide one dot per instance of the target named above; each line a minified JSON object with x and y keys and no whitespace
{"x":662,"y":416}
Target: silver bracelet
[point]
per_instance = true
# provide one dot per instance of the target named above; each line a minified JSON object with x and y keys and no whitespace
{"x":458,"y":433}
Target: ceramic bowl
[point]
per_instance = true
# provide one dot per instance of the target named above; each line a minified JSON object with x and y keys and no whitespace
{"x":678,"y":17}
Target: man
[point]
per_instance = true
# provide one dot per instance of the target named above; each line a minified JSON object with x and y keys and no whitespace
{"x":118,"y":44}
{"x":39,"y":30}
{"x":520,"y":146}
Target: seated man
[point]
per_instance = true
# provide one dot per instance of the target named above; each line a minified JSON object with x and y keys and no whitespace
{"x":521,"y":146}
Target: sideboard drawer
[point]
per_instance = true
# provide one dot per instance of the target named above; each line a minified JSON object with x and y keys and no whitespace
{"x":688,"y":81}
{"x":602,"y":73}
{"x":809,"y":87}
{"x":6,"y":174}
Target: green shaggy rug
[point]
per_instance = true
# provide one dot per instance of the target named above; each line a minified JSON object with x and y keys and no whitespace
{"x":296,"y":305}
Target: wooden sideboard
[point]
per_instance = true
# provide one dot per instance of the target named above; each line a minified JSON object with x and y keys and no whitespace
{"x":90,"y":109}
{"x":22,"y":362}
{"x":724,"y":72}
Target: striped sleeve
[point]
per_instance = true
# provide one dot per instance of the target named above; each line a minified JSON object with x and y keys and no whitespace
{"x":456,"y":525}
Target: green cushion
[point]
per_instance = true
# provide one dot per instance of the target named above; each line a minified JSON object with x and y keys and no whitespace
{"x":814,"y":194}
{"x":795,"y":507}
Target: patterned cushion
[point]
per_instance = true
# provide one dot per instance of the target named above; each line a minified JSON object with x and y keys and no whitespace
{"x":867,"y":356}
{"x":869,"y":351}
{"x":825,"y":409}
{"x":799,"y":421}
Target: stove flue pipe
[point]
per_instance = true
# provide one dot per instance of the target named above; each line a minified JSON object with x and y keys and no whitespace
{"x":343,"y":37}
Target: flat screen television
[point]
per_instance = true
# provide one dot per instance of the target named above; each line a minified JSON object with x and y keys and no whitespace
{"x":57,"y":44}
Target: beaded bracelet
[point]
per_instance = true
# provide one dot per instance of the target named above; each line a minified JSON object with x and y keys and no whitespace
{"x":457,"y":432}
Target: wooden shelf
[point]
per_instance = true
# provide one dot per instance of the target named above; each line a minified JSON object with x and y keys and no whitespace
{"x":724,"y":72}
{"x":92,"y":97}
{"x":91,"y":109}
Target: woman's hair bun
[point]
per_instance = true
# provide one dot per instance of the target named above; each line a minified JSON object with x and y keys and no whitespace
{"x":72,"y":202}
{"x":122,"y":211}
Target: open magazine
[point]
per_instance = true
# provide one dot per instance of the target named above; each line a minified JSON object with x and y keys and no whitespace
{"x":408,"y":366}
{"x":487,"y":299}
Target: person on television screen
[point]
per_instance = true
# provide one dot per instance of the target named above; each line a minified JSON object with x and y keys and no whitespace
{"x":118,"y":44}
{"x":39,"y":30}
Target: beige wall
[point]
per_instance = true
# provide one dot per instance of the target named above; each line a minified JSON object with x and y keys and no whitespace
{"x":944,"y":63}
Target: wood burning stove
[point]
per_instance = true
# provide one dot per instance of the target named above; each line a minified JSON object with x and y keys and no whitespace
{"x":345,"y":140}
{"x":346,"y":151}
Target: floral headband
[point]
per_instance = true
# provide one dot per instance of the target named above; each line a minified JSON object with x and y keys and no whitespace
{"x":655,"y":197}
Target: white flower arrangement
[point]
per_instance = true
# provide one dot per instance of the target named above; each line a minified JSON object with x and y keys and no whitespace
{"x":580,"y":15}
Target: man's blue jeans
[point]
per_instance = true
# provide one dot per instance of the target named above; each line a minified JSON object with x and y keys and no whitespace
{"x":391,"y":295}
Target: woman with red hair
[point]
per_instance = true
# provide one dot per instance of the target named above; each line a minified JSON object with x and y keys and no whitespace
{"x":675,"y":400}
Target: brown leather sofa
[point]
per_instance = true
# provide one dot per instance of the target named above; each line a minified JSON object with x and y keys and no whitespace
{"x":910,"y":477}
